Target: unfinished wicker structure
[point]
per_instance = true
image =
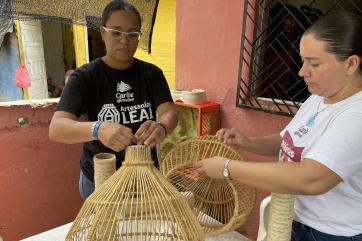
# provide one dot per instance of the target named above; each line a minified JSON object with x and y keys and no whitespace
{"x":136,"y":203}
{"x":220,"y":205}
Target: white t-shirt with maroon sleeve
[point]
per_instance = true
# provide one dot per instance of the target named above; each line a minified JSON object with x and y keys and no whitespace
{"x":334,"y":140}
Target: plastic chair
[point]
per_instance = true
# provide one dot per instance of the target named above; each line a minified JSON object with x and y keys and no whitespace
{"x":264,"y":217}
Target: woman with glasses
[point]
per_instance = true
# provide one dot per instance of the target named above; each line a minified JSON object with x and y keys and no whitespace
{"x":117,"y":95}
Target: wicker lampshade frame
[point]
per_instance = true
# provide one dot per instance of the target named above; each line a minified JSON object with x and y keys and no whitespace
{"x":136,"y":203}
{"x":220,"y":205}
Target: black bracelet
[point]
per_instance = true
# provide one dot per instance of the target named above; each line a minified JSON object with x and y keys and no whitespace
{"x":163,"y":127}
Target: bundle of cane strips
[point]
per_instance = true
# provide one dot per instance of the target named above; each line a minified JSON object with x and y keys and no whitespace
{"x":280,"y":217}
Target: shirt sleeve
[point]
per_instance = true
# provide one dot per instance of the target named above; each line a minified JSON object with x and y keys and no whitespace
{"x":73,"y":96}
{"x":340,"y":146}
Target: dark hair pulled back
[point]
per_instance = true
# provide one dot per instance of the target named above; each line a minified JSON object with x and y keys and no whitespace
{"x":119,"y":5}
{"x":342,"y":32}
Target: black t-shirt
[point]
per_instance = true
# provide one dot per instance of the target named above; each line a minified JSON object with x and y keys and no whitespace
{"x":128,"y":97}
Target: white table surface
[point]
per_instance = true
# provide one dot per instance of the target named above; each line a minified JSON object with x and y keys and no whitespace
{"x":59,"y":233}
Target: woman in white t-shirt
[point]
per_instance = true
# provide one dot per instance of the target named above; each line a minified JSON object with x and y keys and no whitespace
{"x":321,"y":147}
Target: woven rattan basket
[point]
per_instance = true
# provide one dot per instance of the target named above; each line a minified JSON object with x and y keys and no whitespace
{"x":136,"y":203}
{"x":220,"y":205}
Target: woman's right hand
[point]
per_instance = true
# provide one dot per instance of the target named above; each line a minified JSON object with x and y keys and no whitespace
{"x":115,"y":136}
{"x":232,"y":137}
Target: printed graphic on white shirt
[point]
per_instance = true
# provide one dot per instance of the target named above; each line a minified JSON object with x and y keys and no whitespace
{"x":127,"y":114}
{"x":302,"y":131}
{"x":123,"y":93}
{"x":290,"y":152}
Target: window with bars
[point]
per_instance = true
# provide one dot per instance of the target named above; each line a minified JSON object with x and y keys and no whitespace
{"x":269,"y":58}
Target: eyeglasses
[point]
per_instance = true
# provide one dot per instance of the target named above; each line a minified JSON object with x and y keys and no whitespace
{"x":135,"y":35}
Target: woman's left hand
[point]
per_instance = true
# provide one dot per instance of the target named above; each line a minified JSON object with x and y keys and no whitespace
{"x":212,"y":167}
{"x":150,"y":133}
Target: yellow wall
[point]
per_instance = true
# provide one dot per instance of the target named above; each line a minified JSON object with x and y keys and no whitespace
{"x":68,"y":45}
{"x":163,"y":41}
{"x":80,"y":44}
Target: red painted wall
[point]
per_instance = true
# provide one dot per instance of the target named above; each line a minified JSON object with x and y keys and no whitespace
{"x":38,"y":178}
{"x":208,"y":37}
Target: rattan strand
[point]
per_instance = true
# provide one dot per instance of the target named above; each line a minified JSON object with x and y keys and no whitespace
{"x":220,"y":205}
{"x":136,"y":203}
